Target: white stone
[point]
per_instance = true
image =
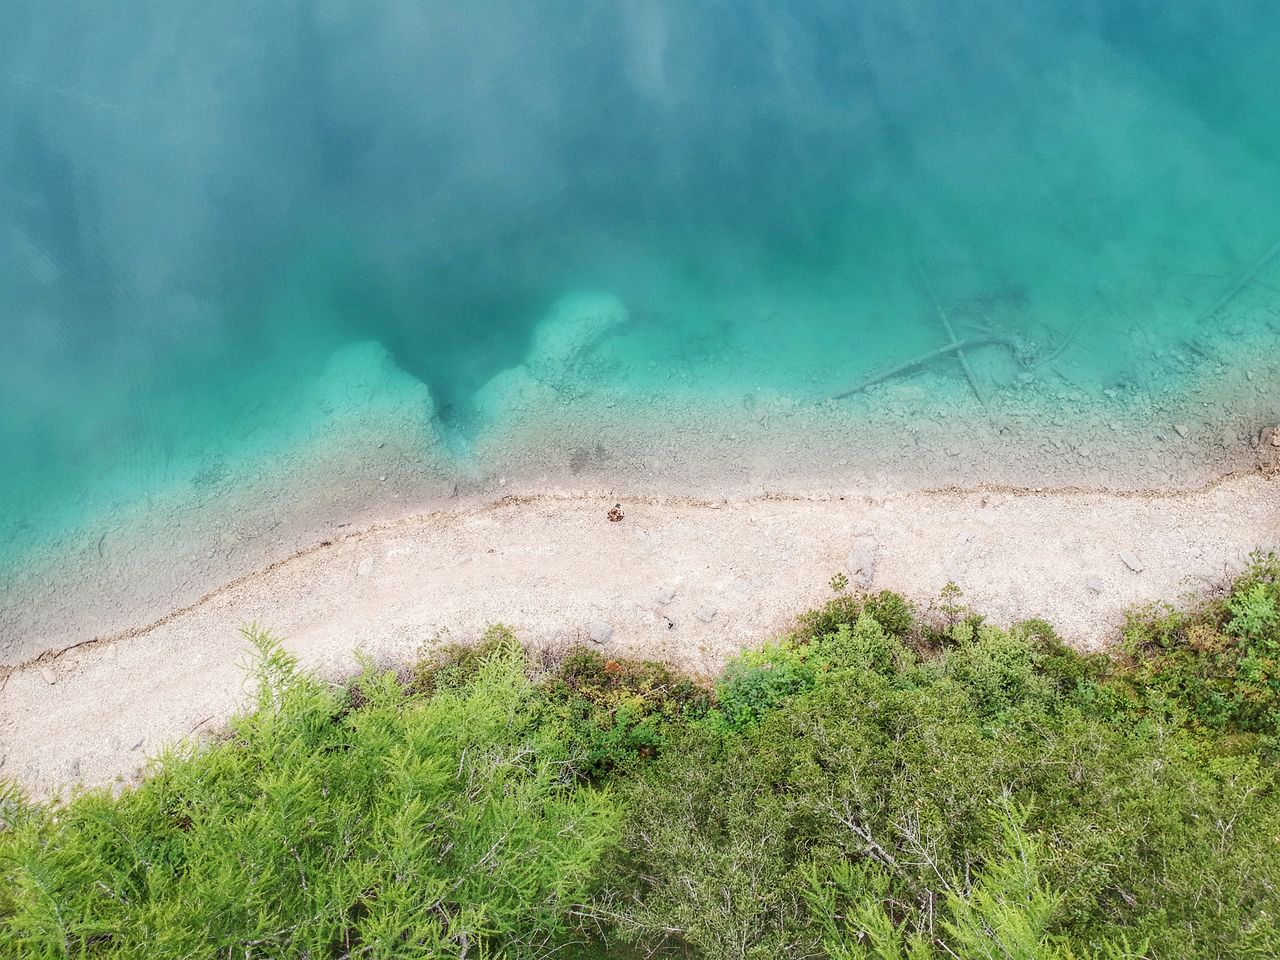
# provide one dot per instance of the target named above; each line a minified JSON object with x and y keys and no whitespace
{"x":860,"y":563}
{"x":1131,"y":561}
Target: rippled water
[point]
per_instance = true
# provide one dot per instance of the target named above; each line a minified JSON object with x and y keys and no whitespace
{"x":202,"y":205}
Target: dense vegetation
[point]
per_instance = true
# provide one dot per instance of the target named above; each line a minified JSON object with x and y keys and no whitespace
{"x":886,"y":783}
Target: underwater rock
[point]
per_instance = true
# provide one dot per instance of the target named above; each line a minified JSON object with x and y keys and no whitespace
{"x":560,"y":345}
{"x":564,"y":338}
{"x":376,"y":402}
{"x":1268,"y":447}
{"x":509,"y":392}
{"x":364,"y":374}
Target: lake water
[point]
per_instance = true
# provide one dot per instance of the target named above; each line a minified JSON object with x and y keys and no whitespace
{"x":241,"y":235}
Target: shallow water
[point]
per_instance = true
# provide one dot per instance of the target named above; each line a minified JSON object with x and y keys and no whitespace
{"x":202,"y":206}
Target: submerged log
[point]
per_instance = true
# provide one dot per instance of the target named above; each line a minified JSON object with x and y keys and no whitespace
{"x":1243,"y":282}
{"x":955,"y":346}
{"x":951,"y":336}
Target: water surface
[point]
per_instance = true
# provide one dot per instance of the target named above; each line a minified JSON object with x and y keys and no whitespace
{"x":202,"y":206}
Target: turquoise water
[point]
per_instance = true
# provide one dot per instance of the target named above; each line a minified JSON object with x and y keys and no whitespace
{"x":202,"y":204}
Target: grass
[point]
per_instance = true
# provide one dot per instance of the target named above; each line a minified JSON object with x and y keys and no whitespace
{"x":885,"y":782}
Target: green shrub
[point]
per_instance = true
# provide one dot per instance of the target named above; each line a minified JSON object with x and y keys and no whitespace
{"x":879,"y":785}
{"x":1068,"y":670}
{"x":1254,"y":616}
{"x":616,"y":711}
{"x":1005,"y":910}
{"x":453,"y":665}
{"x":863,"y":646}
{"x":892,"y":611}
{"x":757,"y":684}
{"x":1219,"y":665}
{"x":848,"y":756}
{"x":842,"y":610}
{"x":999,"y":669}
{"x":407,"y":827}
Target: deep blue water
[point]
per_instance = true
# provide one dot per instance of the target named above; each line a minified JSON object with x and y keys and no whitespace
{"x":200,"y":203}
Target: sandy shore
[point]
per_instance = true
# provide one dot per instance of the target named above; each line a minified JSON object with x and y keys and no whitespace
{"x":134,"y":563}
{"x":362,"y":442}
{"x":686,"y":581}
{"x":371,"y":525}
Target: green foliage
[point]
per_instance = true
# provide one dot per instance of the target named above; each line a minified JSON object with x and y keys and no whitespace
{"x":865,"y":645}
{"x":453,"y":665}
{"x":1005,"y":911}
{"x":758,"y":683}
{"x":999,"y":669}
{"x":617,"y":711}
{"x":951,"y":604}
{"x":879,"y":784}
{"x":1254,"y":616}
{"x":892,"y":611}
{"x":1067,"y":670}
{"x":1219,"y":664}
{"x":406,"y":827}
{"x":862,"y":811}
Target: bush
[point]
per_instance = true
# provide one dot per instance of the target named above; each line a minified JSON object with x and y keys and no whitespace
{"x":855,"y":804}
{"x":408,"y":827}
{"x":864,"y":646}
{"x":1068,"y":671}
{"x":877,"y":785}
{"x":1218,"y":665}
{"x":616,"y":711}
{"x":453,"y":665}
{"x":893,"y":612}
{"x":757,"y":684}
{"x":1005,"y":910}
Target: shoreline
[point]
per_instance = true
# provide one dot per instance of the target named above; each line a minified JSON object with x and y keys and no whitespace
{"x":688,"y":581}
{"x":363,"y":442}
{"x":480,"y":502}
{"x":140,"y":564}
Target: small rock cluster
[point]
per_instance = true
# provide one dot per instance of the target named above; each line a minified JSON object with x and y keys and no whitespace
{"x":1268,"y":447}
